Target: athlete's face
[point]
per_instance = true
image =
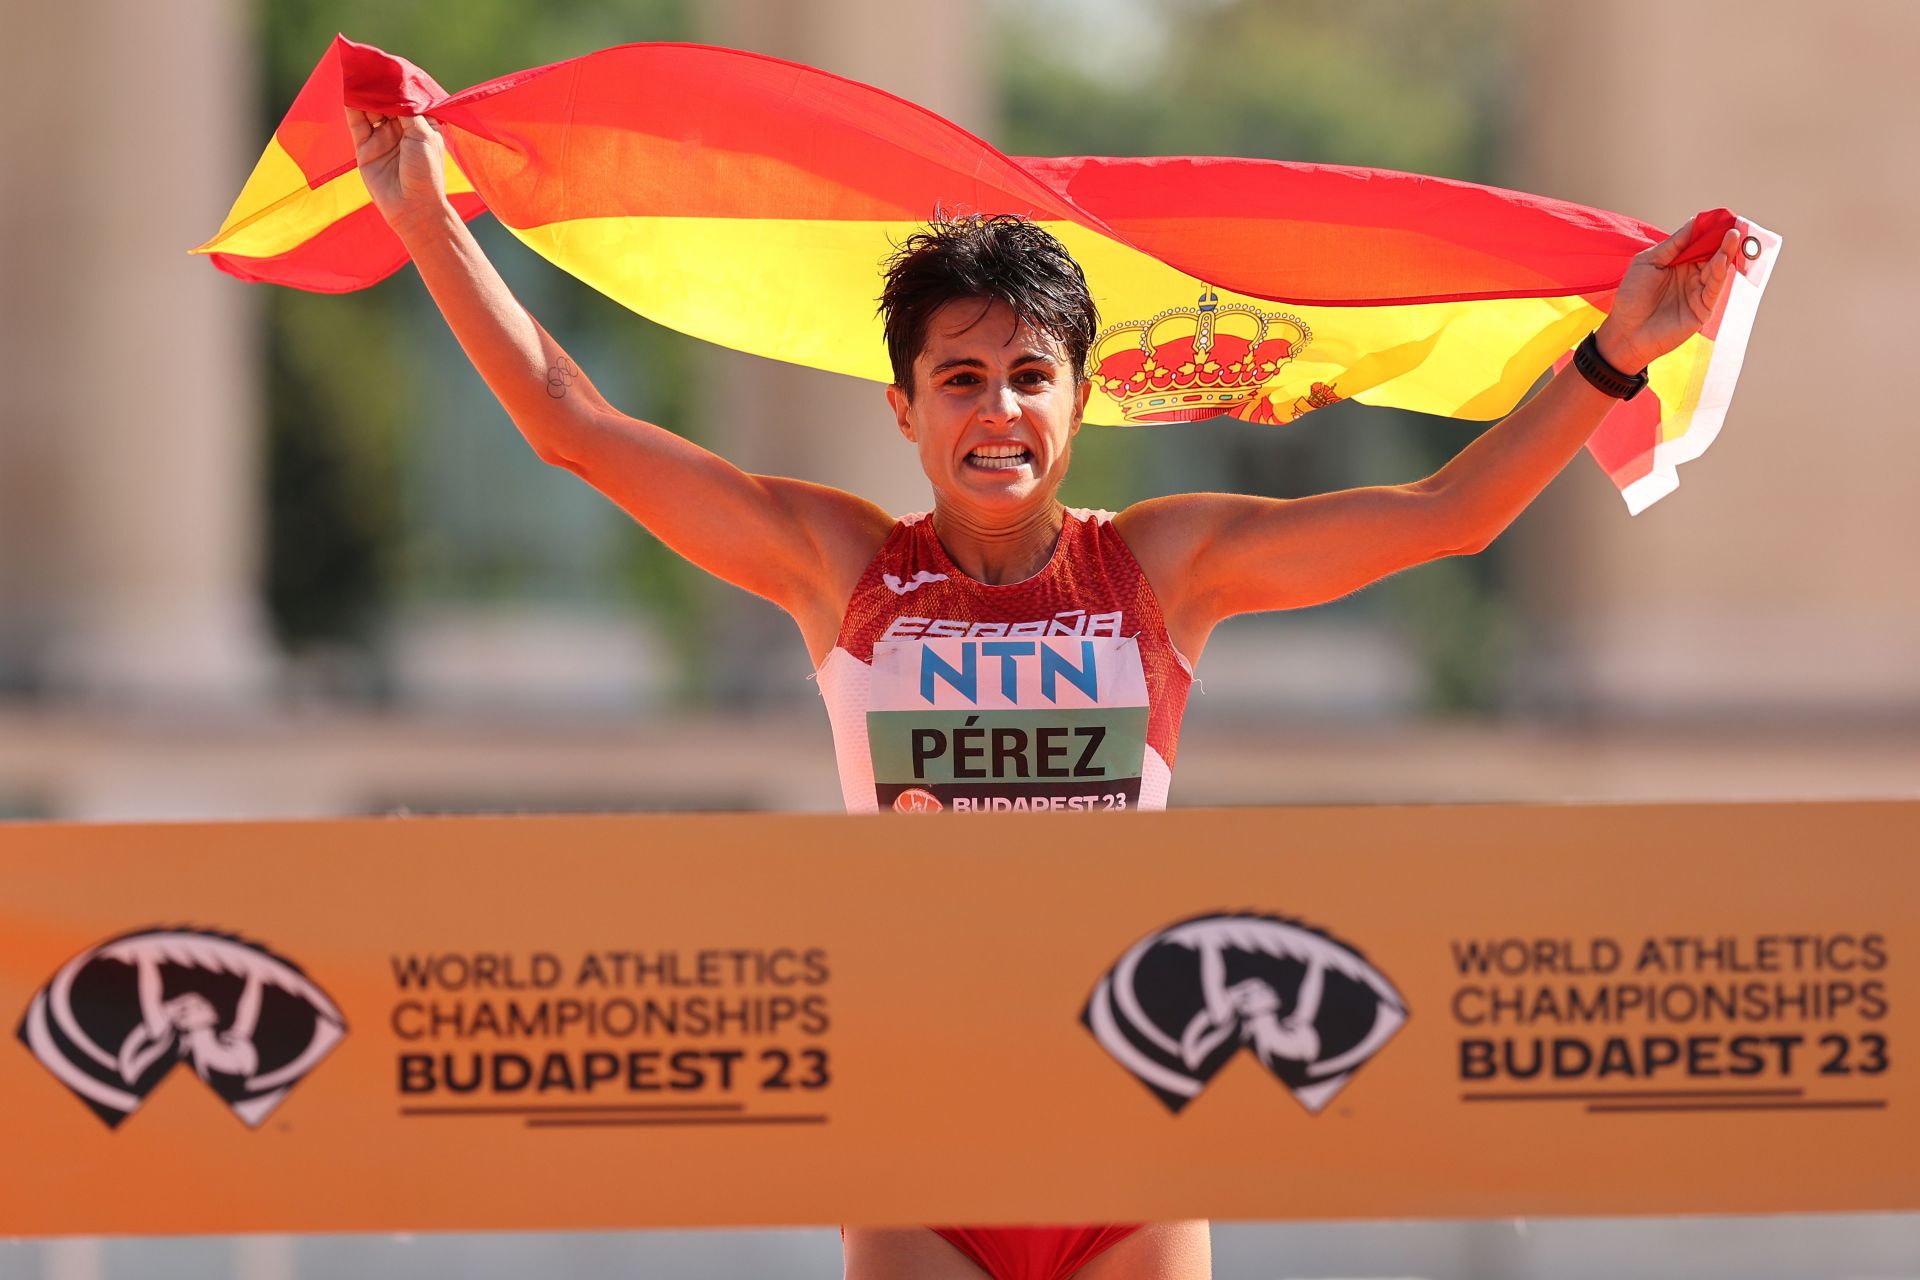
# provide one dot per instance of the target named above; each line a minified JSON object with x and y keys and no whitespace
{"x":994,"y":410}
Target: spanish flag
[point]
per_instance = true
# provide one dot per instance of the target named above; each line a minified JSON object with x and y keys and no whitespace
{"x":749,"y":201}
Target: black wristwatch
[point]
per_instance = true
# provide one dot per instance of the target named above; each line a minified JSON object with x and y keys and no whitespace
{"x":1606,"y":379}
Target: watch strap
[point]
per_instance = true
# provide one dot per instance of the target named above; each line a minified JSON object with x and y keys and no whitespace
{"x":1606,"y":379}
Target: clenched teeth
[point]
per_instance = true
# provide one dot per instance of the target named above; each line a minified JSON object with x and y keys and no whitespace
{"x":1000,"y":457}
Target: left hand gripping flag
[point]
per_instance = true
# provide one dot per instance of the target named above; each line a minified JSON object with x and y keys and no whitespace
{"x":749,"y":201}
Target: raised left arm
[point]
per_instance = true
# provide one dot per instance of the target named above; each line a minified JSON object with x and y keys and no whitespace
{"x":1210,"y":556}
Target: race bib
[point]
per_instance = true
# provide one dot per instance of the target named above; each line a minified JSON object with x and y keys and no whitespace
{"x":1037,"y":723}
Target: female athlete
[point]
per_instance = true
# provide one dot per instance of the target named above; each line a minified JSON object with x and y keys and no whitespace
{"x":1004,"y":651}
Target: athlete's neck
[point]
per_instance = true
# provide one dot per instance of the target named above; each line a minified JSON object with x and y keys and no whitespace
{"x":997,"y":554}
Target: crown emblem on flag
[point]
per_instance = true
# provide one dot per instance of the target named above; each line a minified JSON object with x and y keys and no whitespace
{"x":1187,"y":363}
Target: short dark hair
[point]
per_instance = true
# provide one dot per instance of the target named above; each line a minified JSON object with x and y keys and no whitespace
{"x":998,"y":257}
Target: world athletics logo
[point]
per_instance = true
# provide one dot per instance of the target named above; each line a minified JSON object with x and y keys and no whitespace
{"x":1184,"y":1000}
{"x":115,"y":1019}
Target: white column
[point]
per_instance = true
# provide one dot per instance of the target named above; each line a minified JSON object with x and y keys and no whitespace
{"x":1779,"y":578}
{"x":129,"y":405}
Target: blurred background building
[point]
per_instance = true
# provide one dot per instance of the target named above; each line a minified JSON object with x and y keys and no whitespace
{"x":272,"y":554}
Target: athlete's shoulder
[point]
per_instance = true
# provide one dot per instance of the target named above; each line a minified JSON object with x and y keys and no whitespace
{"x":1167,"y":531}
{"x":904,"y":536}
{"x":906,"y":559}
{"x":1156,"y":517}
{"x":841,"y":534}
{"x":1166,"y":537}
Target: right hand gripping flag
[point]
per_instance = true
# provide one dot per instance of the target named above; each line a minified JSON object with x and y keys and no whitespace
{"x":750,"y":201}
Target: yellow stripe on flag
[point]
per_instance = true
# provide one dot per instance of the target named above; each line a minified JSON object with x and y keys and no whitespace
{"x":1677,"y":378}
{"x":277,"y":211}
{"x":709,"y":277}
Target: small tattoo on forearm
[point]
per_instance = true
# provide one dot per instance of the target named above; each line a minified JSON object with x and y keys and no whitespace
{"x":559,"y":376}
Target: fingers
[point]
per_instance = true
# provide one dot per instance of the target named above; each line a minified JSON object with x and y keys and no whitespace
{"x":368,"y":126}
{"x":365,"y":126}
{"x":1716,"y":275}
{"x":1667,"y":250}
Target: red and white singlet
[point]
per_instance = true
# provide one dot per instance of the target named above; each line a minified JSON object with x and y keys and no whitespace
{"x":1059,"y":692}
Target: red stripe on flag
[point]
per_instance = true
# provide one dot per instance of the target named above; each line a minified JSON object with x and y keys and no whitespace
{"x":1343,"y":236}
{"x":314,"y":132}
{"x":353,"y":253}
{"x":374,"y":80}
{"x":692,"y":131}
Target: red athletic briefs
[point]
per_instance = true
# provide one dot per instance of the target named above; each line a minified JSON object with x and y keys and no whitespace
{"x":1033,"y":1253}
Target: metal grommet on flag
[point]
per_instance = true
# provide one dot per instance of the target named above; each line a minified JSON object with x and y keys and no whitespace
{"x":1750,"y":247}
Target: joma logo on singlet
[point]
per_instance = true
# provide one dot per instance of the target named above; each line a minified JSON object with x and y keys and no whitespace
{"x":919,"y":580}
{"x":1071,"y":622}
{"x":1054,"y":667}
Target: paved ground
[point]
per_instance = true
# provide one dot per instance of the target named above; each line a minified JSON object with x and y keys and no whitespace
{"x":1880,"y":1247}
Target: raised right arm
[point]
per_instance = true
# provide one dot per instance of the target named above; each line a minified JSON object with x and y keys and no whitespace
{"x":800,"y":545}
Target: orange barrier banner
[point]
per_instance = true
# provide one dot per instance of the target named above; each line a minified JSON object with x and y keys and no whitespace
{"x":554,"y":1023}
